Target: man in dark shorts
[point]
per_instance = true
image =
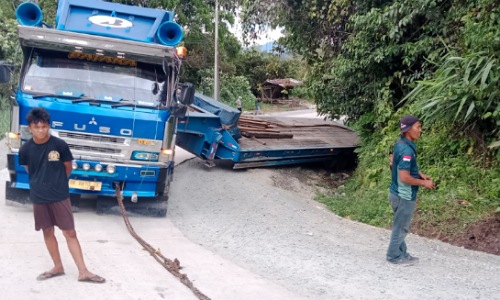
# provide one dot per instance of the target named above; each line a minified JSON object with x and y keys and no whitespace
{"x":47,"y":160}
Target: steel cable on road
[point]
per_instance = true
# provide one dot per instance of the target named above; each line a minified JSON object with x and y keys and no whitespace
{"x":172,"y":266}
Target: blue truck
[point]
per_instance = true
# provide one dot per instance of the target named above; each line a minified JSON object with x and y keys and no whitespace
{"x":108,"y":74}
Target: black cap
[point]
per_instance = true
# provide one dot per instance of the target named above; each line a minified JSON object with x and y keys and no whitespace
{"x":407,"y":122}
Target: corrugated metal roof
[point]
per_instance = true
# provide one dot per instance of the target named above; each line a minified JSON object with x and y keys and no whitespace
{"x":285,"y":82}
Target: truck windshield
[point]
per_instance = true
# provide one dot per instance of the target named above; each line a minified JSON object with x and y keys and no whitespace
{"x":92,"y":76}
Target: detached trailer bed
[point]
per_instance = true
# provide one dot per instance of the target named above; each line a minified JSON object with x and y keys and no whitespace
{"x":212,"y":130}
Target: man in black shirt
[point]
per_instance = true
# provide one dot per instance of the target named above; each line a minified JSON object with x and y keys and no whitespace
{"x":47,"y":160}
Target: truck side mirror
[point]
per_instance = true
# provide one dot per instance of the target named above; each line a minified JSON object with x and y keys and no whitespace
{"x":186,"y":96}
{"x":4,"y":72}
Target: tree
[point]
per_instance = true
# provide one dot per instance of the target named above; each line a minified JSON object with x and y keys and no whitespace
{"x":465,"y":87}
{"x":314,"y":29}
{"x":252,"y":64}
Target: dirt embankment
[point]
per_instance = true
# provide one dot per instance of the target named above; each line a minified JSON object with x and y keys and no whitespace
{"x":483,"y":235}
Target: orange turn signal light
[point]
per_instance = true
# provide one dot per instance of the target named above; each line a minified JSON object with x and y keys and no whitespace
{"x":181,"y":52}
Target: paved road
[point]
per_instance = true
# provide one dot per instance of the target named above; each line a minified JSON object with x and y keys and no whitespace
{"x":111,"y":252}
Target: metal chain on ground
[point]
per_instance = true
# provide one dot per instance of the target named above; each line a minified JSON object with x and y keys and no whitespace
{"x":172,"y":266}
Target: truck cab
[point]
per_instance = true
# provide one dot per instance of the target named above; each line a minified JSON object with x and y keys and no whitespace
{"x":108,"y":75}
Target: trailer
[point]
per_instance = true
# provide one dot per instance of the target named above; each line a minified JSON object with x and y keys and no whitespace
{"x":213,"y":131}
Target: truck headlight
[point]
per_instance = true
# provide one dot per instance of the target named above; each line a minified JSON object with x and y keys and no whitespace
{"x":13,"y":140}
{"x":144,"y":155}
{"x":110,"y":169}
{"x":166,"y":155}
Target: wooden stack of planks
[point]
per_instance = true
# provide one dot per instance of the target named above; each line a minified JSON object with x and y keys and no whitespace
{"x":257,"y":128}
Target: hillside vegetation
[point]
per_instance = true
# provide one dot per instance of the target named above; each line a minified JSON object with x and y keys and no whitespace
{"x":375,"y":61}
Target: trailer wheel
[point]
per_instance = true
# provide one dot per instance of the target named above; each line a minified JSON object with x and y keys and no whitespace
{"x":345,"y":161}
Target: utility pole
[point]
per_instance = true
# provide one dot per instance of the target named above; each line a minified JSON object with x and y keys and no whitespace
{"x":216,"y":54}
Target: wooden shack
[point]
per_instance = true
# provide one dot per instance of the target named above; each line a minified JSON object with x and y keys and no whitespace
{"x":275,"y":89}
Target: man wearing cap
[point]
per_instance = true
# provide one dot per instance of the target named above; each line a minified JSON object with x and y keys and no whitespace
{"x":406,"y":179}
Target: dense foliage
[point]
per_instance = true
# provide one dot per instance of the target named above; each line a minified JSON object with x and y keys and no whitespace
{"x":373,"y":61}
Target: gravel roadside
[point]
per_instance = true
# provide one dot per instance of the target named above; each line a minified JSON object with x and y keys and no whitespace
{"x":283,"y":235}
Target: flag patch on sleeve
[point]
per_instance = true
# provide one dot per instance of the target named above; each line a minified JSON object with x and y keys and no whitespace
{"x":406,"y":158}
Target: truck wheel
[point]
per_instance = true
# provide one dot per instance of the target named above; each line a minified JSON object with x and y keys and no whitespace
{"x":75,"y":202}
{"x":151,"y":207}
{"x":156,"y":207}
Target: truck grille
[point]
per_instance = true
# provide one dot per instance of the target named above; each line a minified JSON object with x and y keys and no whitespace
{"x":94,"y":149}
{"x":91,"y":137}
{"x":85,"y":143}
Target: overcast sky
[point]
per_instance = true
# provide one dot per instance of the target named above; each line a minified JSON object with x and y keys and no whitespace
{"x":270,"y":35}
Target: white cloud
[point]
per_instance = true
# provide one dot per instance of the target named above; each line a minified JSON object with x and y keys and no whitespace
{"x":270,"y":35}
{"x":263,"y":37}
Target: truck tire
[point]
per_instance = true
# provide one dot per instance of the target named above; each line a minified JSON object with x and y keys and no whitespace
{"x":75,"y":202}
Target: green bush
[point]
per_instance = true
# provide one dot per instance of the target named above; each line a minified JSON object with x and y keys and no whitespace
{"x":231,"y":87}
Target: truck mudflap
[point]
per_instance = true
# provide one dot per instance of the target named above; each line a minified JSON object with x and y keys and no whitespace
{"x":16,"y":195}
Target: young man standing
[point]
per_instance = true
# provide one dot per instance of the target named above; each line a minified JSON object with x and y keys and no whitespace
{"x":47,"y":160}
{"x":406,"y":178}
